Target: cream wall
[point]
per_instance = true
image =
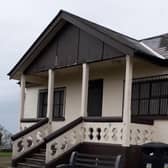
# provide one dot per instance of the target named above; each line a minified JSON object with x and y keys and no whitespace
{"x":144,"y":68}
{"x":31,"y":101}
{"x":160,"y":131}
{"x":112,"y":74}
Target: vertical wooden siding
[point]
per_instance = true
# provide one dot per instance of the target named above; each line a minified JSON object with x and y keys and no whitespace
{"x":72,"y":46}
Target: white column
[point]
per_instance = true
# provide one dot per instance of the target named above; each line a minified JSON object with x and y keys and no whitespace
{"x":127,"y":98}
{"x":84,"y":94}
{"x":22,"y":95}
{"x":50,"y":94}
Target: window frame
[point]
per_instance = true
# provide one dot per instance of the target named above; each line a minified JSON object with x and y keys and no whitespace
{"x":158,"y":97}
{"x":62,"y":118}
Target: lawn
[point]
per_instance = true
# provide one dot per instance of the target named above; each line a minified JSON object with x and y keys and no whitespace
{"x":5,"y":159}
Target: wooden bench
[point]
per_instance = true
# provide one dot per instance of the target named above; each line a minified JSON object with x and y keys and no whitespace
{"x":81,"y":160}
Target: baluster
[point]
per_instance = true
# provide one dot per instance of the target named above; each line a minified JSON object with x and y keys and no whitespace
{"x":91,"y":133}
{"x":20,"y":146}
{"x":98,"y":134}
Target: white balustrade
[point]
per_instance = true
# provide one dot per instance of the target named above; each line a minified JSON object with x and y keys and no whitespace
{"x":103,"y":132}
{"x":140,"y":134}
{"x":96,"y":132}
{"x":29,"y":141}
{"x":64,"y":142}
{"x":85,"y":132}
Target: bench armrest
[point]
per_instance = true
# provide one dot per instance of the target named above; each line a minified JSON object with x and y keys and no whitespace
{"x":64,"y":166}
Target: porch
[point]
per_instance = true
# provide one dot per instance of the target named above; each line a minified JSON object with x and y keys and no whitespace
{"x":114,"y":124}
{"x":79,"y":86}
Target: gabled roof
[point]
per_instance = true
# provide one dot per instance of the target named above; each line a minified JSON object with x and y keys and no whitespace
{"x":121,"y":42}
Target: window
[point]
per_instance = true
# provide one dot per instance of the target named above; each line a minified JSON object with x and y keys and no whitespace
{"x":42,"y":112}
{"x":150,"y":97}
{"x":58,"y":104}
{"x":58,"y":110}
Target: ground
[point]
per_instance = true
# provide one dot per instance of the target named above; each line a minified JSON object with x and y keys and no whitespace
{"x":5,"y":159}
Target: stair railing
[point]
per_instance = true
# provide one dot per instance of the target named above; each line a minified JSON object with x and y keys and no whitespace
{"x":96,"y":130}
{"x":64,"y":139}
{"x":29,"y":138}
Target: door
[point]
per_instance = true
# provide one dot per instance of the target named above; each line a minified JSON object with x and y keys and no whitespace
{"x":95,"y":94}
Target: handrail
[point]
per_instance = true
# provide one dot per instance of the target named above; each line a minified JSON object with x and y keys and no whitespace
{"x":30,"y":129}
{"x":30,"y":120}
{"x":63,"y":129}
{"x":102,"y":119}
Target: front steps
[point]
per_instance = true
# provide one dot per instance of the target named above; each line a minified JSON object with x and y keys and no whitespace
{"x":35,"y":160}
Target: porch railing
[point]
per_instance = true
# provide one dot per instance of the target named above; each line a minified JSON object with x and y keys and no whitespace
{"x":29,"y":138}
{"x":92,"y":130}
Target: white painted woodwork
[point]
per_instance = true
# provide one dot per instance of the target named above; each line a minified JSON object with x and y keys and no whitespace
{"x":97,"y":132}
{"x":22,"y":95}
{"x":50,"y":94}
{"x":84,"y":94}
{"x":113,"y":80}
{"x":37,"y":79}
{"x":140,"y":134}
{"x":35,"y":137}
{"x":128,"y":90}
{"x":127,"y":98}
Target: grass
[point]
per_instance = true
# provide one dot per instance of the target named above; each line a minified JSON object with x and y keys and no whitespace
{"x":5,"y":159}
{"x":5,"y":154}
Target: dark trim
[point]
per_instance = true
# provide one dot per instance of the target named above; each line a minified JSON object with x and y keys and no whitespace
{"x":63,"y":129}
{"x":30,"y":129}
{"x":139,"y":120}
{"x":59,"y":119}
{"x":143,"y":98}
{"x":102,"y":119}
{"x":150,"y":118}
{"x":30,"y":120}
{"x":114,"y":39}
{"x":64,"y":101}
{"x":152,"y":77}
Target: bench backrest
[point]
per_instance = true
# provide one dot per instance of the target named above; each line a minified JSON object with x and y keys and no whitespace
{"x":81,"y":160}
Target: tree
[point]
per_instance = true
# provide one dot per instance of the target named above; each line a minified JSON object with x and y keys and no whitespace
{"x":0,"y":138}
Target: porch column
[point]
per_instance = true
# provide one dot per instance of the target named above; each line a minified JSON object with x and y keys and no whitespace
{"x":50,"y":94}
{"x":84,"y":94}
{"x":22,"y":95}
{"x":127,"y":98}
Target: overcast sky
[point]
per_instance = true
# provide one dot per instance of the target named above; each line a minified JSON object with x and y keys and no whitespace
{"x":21,"y":21}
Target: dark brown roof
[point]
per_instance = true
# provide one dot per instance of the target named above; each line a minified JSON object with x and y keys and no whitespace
{"x":124,"y":43}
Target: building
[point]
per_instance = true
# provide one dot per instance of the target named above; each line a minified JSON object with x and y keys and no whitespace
{"x":85,"y":87}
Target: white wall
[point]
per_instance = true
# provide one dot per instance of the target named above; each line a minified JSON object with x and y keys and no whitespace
{"x":31,"y":101}
{"x":113,"y":75}
{"x":144,"y":68}
{"x":160,"y":131}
